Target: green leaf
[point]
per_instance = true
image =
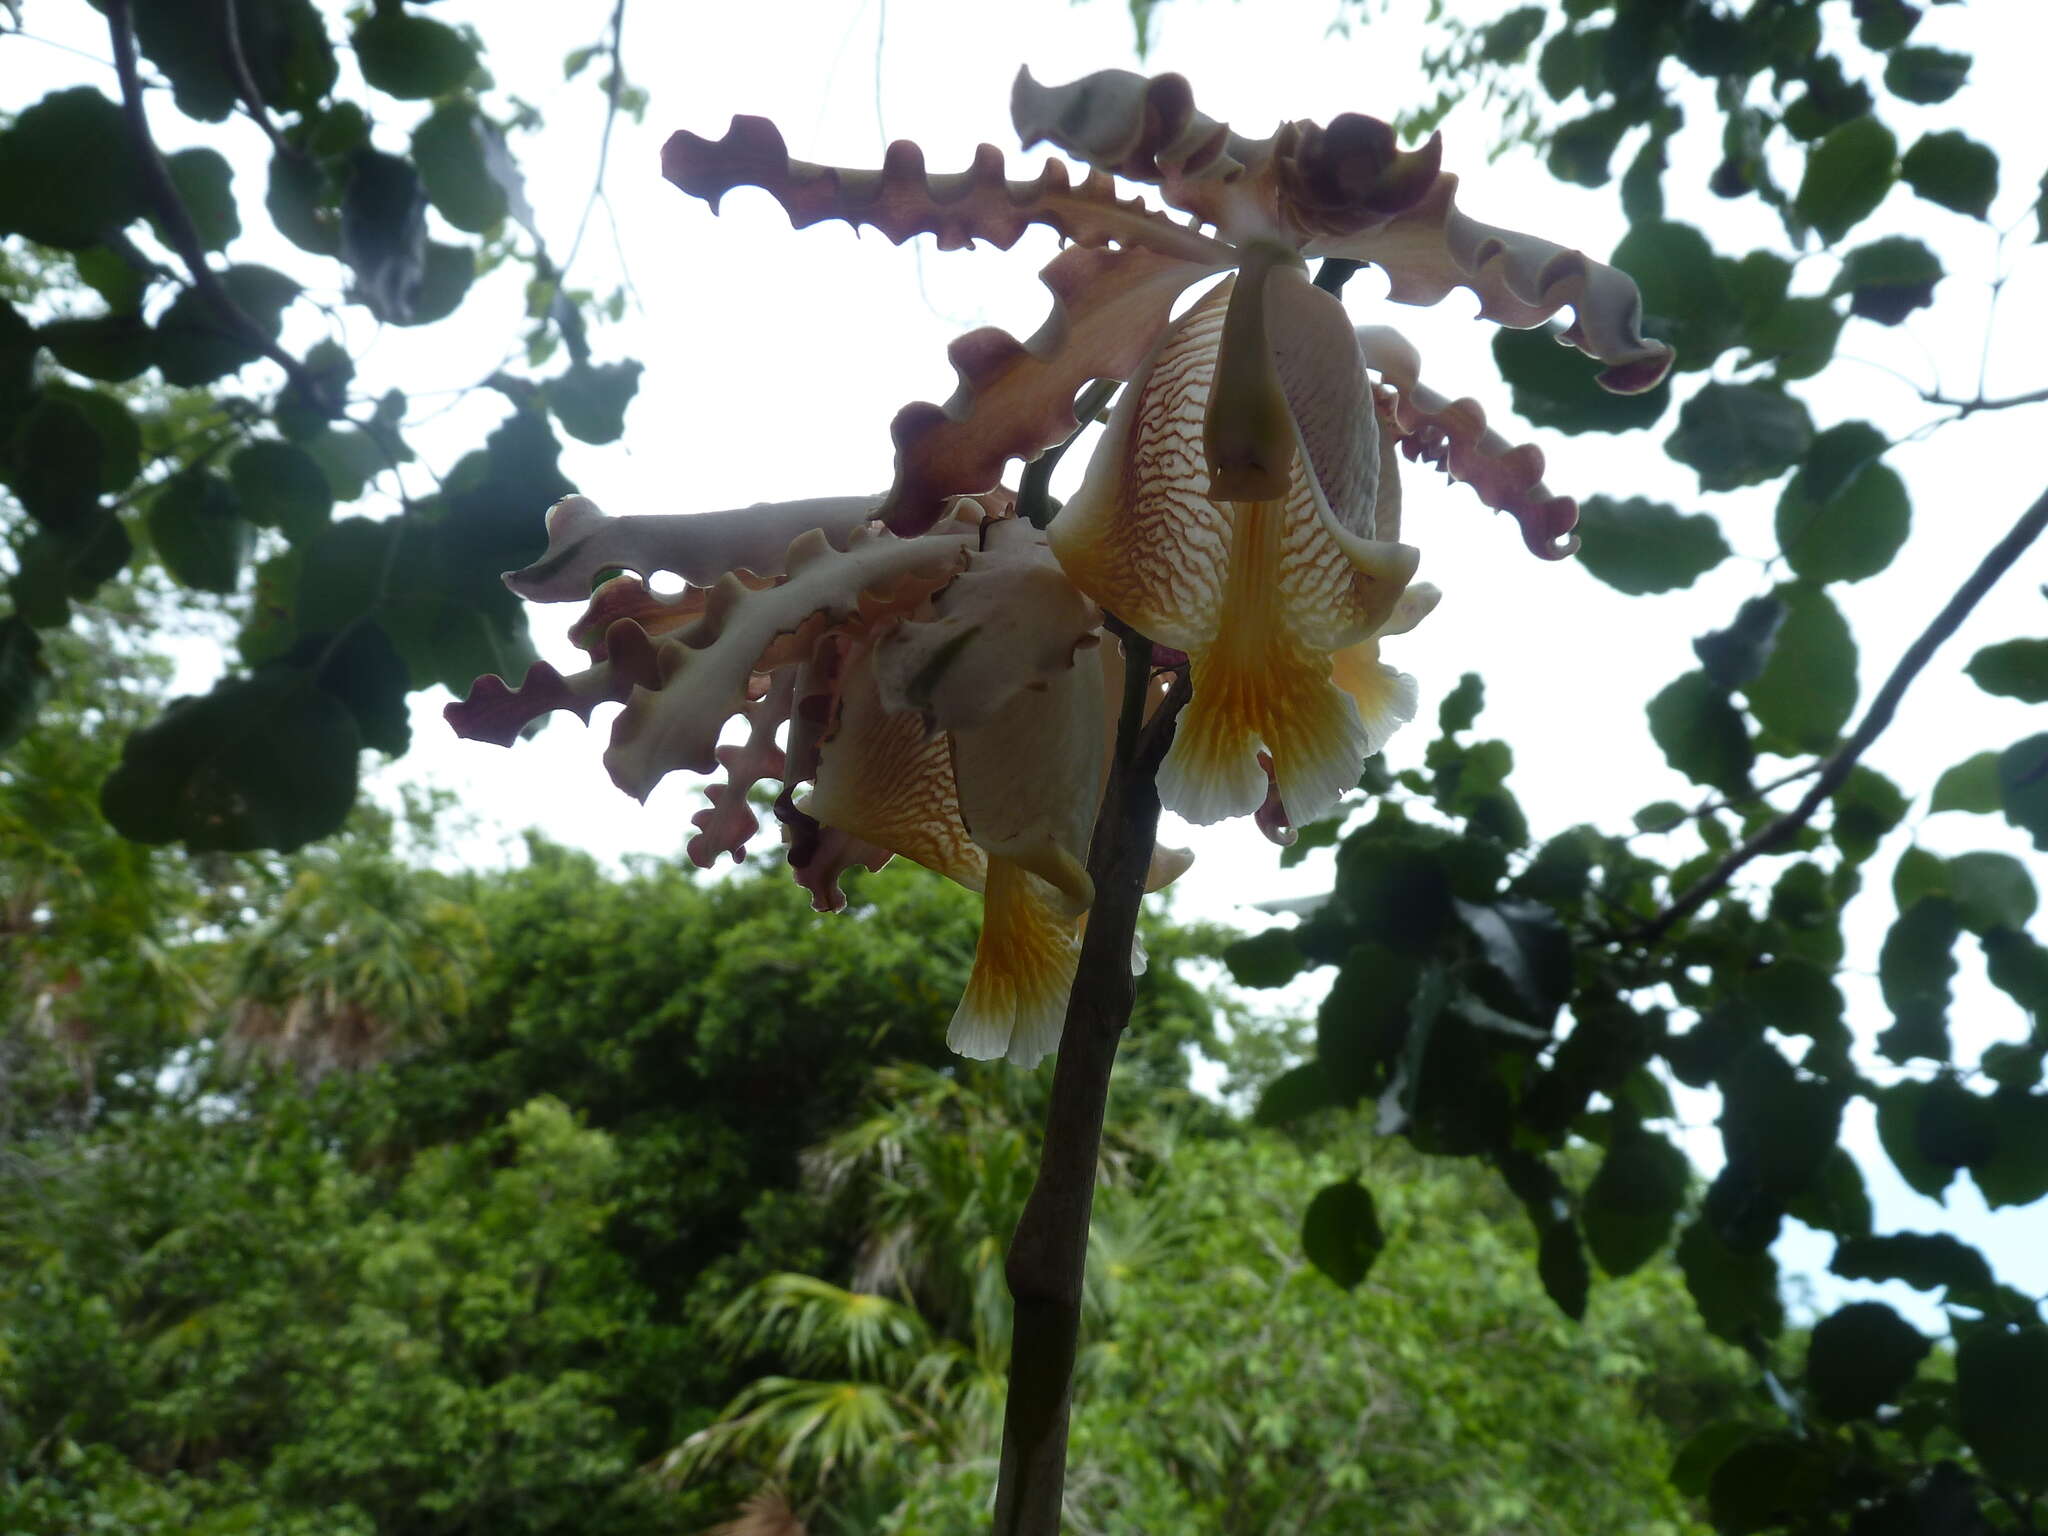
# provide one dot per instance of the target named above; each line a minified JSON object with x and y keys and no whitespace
{"x":1526,"y":947}
{"x":1925,"y":75}
{"x":1954,"y":170}
{"x":1836,"y":1201}
{"x":384,"y":233}
{"x":1777,"y":1126}
{"x":1363,"y":1022}
{"x":1581,"y":148}
{"x":205,"y":184}
{"x":1795,"y":997}
{"x":67,"y":177}
{"x":195,"y":521}
{"x":1556,"y":388}
{"x":56,"y":567}
{"x":1660,"y":816}
{"x":1341,"y":1232}
{"x":1737,"y":1293}
{"x":446,"y":272}
{"x":1807,"y":690}
{"x":1867,"y":806}
{"x":411,"y":57}
{"x":195,"y":345}
{"x":1860,"y":1358}
{"x":1798,"y":336}
{"x":1639,"y":546}
{"x":1269,"y":959}
{"x":121,"y":282}
{"x":365,"y":672}
{"x":1736,"y":656}
{"x":449,"y":149}
{"x":1740,"y":434}
{"x":1634,"y":1200}
{"x":2017,"y":1173}
{"x":1898,"y":1130}
{"x":1461,"y":706}
{"x":1294,"y":1095}
{"x":24,"y":678}
{"x":1888,"y":279}
{"x":2015,"y":669}
{"x":1914,"y":969}
{"x":2001,"y":1383}
{"x":1686,"y":300}
{"x":267,"y":761}
{"x":111,"y":348}
{"x":53,"y":463}
{"x":2018,"y":966}
{"x":305,"y":204}
{"x":280,"y":486}
{"x":1972,"y":785}
{"x":1847,"y":175}
{"x":590,"y":400}
{"x":1927,"y":1261}
{"x":1991,"y":890}
{"x":1693,"y":1467}
{"x":2023,"y":786}
{"x":1847,"y":535}
{"x":283,"y":43}
{"x":1954,"y":1127}
{"x":1701,"y":734}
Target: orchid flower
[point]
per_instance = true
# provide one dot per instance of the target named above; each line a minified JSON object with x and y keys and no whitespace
{"x":931,"y":665}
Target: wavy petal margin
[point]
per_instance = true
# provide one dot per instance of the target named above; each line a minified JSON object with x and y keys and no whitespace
{"x":902,"y":199}
{"x":494,"y":712}
{"x":728,"y":821}
{"x":1453,"y":435}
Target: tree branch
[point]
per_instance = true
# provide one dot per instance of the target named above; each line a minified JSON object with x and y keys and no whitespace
{"x":1882,"y":708}
{"x":176,"y":219}
{"x":1971,"y":407}
{"x":245,"y":83}
{"x":1048,"y":1255}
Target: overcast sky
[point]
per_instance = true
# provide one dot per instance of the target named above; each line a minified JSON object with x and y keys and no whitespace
{"x":775,"y":360}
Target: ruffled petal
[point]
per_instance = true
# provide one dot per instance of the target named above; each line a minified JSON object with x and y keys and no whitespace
{"x":728,"y":821}
{"x":1015,"y":1005}
{"x":496,"y":713}
{"x":1386,"y":699}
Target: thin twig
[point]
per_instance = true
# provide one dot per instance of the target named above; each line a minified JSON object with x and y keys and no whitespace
{"x":1971,"y":407}
{"x":176,"y":219}
{"x":1048,"y":1256}
{"x":245,"y":83}
{"x":1034,"y":491}
{"x":1836,"y":769}
{"x":613,"y":86}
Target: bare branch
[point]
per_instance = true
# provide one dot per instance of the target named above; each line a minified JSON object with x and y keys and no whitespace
{"x":176,"y":219}
{"x":245,"y":83}
{"x":1971,"y":407}
{"x":1882,"y":709}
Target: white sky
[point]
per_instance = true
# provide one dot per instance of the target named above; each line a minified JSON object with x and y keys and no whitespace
{"x":775,"y":360}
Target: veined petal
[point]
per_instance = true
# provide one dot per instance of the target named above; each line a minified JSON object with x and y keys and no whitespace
{"x":1030,"y":780}
{"x":884,"y":780}
{"x":1521,"y":281}
{"x":745,"y":631}
{"x":1010,"y":620}
{"x":1386,"y":699}
{"x":1015,"y":1005}
{"x":1016,"y":399}
{"x":700,"y":547}
{"x":902,"y":199}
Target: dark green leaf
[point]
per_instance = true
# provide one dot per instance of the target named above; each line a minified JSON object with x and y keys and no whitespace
{"x":1634,"y":1200}
{"x":384,"y":233}
{"x":1914,"y":969}
{"x":1954,"y":1127}
{"x":2018,"y":966}
{"x":1807,"y":690}
{"x":1860,"y":1358}
{"x":364,"y":670}
{"x":24,"y":678}
{"x":1867,"y":806}
{"x":283,"y":43}
{"x":1701,"y":734}
{"x":1972,"y":785}
{"x":1507,"y":41}
{"x":1808,"y":916}
{"x":1888,"y":279}
{"x":195,"y":521}
{"x":1925,"y":75}
{"x":1777,"y":1126}
{"x":1663,"y":816}
{"x":1740,"y":434}
{"x":2017,"y":1173}
{"x":1581,"y":148}
{"x":1694,"y":1465}
{"x":1639,"y":546}
{"x":1364,"y":1020}
{"x":1798,"y":337}
{"x":112,"y":275}
{"x":1885,"y":24}
{"x":1991,"y":890}
{"x":349,"y":459}
{"x":1836,"y":1201}
{"x":1795,"y":997}
{"x":449,"y":148}
{"x":1927,"y":1261}
{"x":1269,"y":959}
{"x":205,"y":185}
{"x":1341,"y":1232}
{"x":196,"y":345}
{"x":1561,"y":67}
{"x":1848,"y":535}
{"x":1737,"y":1293}
{"x":112,"y":348}
{"x":2016,"y":669}
{"x":1461,"y":706}
{"x":1898,"y":1129}
{"x":590,"y":400}
{"x":1847,"y":175}
{"x":1527,"y":948}
{"x":304,"y":204}
{"x":1555,"y":387}
{"x":1734,"y":657}
{"x":56,"y":568}
{"x":445,"y":276}
{"x":2023,"y":787}
{"x":262,"y":762}
{"x":1954,"y":170}
{"x":1295,"y":1094}
{"x":1686,"y":300}
{"x":1765,"y":1483}
{"x":411,"y":57}
{"x":67,"y":177}
{"x":281,"y":487}
{"x":2001,"y":1383}
{"x":53,"y":463}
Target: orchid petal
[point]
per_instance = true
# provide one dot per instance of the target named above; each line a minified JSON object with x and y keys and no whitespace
{"x":1016,"y":399}
{"x":744,"y":631}
{"x":1453,"y":435}
{"x":1015,"y":1005}
{"x":1010,"y":620}
{"x":497,"y":714}
{"x":1521,"y":281}
{"x":584,"y":543}
{"x":628,"y":597}
{"x":1386,"y":699}
{"x":728,"y":821}
{"x":902,"y":199}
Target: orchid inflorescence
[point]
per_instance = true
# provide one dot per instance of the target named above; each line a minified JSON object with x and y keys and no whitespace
{"x":937,"y":669}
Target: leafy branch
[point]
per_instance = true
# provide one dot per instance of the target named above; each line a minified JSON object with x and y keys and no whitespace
{"x":1836,"y":769}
